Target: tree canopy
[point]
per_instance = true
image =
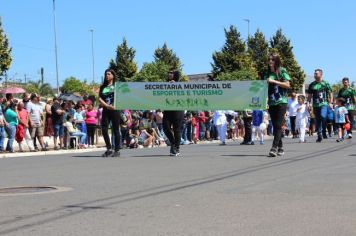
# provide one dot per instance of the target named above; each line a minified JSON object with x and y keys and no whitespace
{"x":74,"y":85}
{"x":5,"y":52}
{"x":124,"y":64}
{"x":281,"y":44}
{"x":43,"y":89}
{"x":233,"y":55}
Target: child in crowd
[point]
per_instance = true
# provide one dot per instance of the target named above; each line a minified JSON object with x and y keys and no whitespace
{"x":219,"y":119}
{"x":302,"y":118}
{"x":91,"y":116}
{"x":257,"y":121}
{"x":330,"y":120}
{"x":341,"y":118}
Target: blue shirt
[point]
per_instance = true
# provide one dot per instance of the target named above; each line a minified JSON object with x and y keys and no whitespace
{"x":257,"y":117}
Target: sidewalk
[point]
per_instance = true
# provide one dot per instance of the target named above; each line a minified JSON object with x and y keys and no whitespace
{"x":99,"y":147}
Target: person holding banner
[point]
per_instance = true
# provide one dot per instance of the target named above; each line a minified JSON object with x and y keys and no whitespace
{"x":109,"y":114}
{"x":172,"y":121}
{"x":278,"y":85}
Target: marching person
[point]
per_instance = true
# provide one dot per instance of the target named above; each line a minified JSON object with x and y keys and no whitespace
{"x":349,"y":94}
{"x":109,"y":114}
{"x":278,"y":85}
{"x":319,"y":92}
{"x":172,"y":121}
{"x":292,"y":111}
{"x":301,"y":118}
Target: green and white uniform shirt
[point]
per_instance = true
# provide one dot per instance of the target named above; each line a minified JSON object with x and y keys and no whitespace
{"x":276,"y":94}
{"x":349,"y":95}
{"x":107,"y":94}
{"x":320,"y":92}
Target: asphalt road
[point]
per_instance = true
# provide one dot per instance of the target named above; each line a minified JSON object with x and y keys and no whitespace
{"x":211,"y":190}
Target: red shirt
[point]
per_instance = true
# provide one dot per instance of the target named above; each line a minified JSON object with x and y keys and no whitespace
{"x":23,"y":114}
{"x":87,"y":102}
{"x":202,"y":117}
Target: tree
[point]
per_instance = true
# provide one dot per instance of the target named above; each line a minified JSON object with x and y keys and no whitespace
{"x":124,"y":64}
{"x":74,"y":85}
{"x":258,"y":50}
{"x":167,"y":56}
{"x":153,"y":72}
{"x":5,"y":52}
{"x":233,"y":55}
{"x":43,"y":89}
{"x":282,"y":45}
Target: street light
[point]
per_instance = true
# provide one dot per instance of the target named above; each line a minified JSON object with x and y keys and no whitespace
{"x":92,"y":52}
{"x":55,"y":44}
{"x":248,"y":27}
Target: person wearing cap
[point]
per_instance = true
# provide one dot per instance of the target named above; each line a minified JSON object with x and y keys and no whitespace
{"x":172,"y":120}
{"x":57,"y":114}
{"x":349,"y":94}
{"x":35,"y":110}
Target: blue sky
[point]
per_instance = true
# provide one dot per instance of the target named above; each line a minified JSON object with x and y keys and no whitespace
{"x":322,"y":32}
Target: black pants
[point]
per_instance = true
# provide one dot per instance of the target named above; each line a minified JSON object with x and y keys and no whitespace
{"x":351,"y":118}
{"x":277,"y":114}
{"x":90,"y":133}
{"x":173,"y":119}
{"x":113,"y":117}
{"x":292,"y":125}
{"x":248,"y":129}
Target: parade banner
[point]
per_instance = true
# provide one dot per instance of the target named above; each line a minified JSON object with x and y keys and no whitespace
{"x":210,"y":95}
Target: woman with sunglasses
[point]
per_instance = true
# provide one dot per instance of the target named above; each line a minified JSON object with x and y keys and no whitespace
{"x":278,"y":84}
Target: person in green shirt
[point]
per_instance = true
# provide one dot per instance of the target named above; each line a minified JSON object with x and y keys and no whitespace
{"x":110,"y":114}
{"x":278,"y":85}
{"x":349,"y":94}
{"x":11,"y":118}
{"x":319,"y":93}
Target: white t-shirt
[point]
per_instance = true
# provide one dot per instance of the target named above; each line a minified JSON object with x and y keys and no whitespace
{"x":292,"y":110}
{"x":35,"y":111}
{"x":302,"y":114}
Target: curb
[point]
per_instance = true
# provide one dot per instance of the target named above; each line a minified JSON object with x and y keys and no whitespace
{"x":49,"y":153}
{"x":98,"y":149}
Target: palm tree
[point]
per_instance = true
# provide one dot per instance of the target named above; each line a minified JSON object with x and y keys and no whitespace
{"x":43,"y":89}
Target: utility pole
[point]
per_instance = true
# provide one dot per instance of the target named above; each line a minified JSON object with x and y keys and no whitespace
{"x":248,"y":27}
{"x":92,"y":53}
{"x":42,"y":75}
{"x":55,"y":44}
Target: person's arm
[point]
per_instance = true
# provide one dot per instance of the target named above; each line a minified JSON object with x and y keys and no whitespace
{"x":104,"y":104}
{"x":19,"y":119}
{"x":59,"y":111}
{"x":282,"y":84}
{"x":48,"y":109}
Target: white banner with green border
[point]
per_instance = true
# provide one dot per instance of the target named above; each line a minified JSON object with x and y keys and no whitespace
{"x":211,"y":95}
